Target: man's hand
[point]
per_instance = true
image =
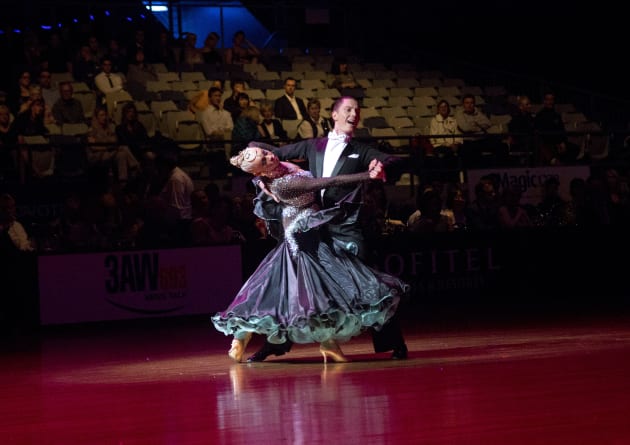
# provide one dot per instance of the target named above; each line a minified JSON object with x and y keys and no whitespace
{"x":376,"y":169}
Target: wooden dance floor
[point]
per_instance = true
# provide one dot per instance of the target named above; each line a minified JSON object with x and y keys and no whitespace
{"x":533,"y":380}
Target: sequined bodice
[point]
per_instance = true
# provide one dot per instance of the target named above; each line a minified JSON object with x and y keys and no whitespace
{"x":281,"y":187}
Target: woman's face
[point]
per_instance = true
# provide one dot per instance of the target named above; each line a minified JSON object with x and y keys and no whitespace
{"x":443,"y":109}
{"x":101,"y":117}
{"x":262,"y":161}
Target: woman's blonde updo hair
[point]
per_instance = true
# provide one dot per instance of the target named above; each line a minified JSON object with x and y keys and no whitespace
{"x":245,"y":159}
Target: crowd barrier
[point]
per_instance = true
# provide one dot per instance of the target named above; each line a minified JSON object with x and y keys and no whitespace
{"x":481,"y":271}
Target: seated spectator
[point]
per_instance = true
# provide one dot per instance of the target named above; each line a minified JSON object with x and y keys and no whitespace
{"x":474,"y":125}
{"x":272,"y":130}
{"x":211,"y":220}
{"x":107,"y":81}
{"x":242,"y":50}
{"x":19,"y":94}
{"x":246,"y":129}
{"x":49,"y":94}
{"x":342,"y":75}
{"x":85,"y":67}
{"x":231,"y":104}
{"x":553,"y":147}
{"x":344,"y":81}
{"x":521,"y":127}
{"x":289,"y":106}
{"x":429,"y":216}
{"x":133,"y":134}
{"x":511,"y":214}
{"x":67,"y":109}
{"x":8,"y":145}
{"x":313,"y":125}
{"x":35,"y":93}
{"x":138,"y":74}
{"x":191,"y":55}
{"x":210,"y":54}
{"x":444,"y":125}
{"x":39,"y":161}
{"x":215,"y":120}
{"x":104,"y":148}
{"x":12,"y":232}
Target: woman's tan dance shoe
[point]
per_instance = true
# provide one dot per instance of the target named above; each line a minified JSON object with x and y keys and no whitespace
{"x":330,"y":349}
{"x":237,"y":348}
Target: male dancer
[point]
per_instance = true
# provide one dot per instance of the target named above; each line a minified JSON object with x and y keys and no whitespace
{"x":330,"y":156}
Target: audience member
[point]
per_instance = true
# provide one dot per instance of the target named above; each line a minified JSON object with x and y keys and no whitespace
{"x":429,"y":218}
{"x":445,"y":126}
{"x":35,"y":93}
{"x":133,"y":134}
{"x":103,"y":148}
{"x":8,"y":145}
{"x":56,"y":56}
{"x":231,"y":104}
{"x":552,"y":207}
{"x":138,"y":74}
{"x":175,"y":193}
{"x":19,"y":94}
{"x":343,"y":79}
{"x":67,"y":109}
{"x":118,"y":56}
{"x":522,"y":128}
{"x":289,"y":106}
{"x":217,"y":122}
{"x":191,"y":55}
{"x":511,"y":214}
{"x":271,"y":128}
{"x":39,"y":161}
{"x":484,"y":208}
{"x":313,"y":125}
{"x":474,"y":125}
{"x":553,"y":144}
{"x":210,"y":54}
{"x":49,"y":94}
{"x":246,"y":129}
{"x":242,"y":50}
{"x":85,"y":67}
{"x":107,"y":81}
{"x":164,"y":52}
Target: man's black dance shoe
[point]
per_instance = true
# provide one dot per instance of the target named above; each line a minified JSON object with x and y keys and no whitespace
{"x":399,"y":353}
{"x":266,"y":350}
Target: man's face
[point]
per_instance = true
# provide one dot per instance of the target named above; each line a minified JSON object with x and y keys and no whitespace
{"x":44,"y":79}
{"x":313,"y":111}
{"x":215,"y":98}
{"x":469,"y":105}
{"x":289,"y":87}
{"x":347,"y":116}
{"x":66,"y":92}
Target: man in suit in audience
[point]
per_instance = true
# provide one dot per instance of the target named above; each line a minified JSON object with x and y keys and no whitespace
{"x":290,"y":106}
{"x":333,"y":155}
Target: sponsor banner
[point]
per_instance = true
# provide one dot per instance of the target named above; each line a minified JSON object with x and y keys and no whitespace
{"x":79,"y":288}
{"x":530,"y":180}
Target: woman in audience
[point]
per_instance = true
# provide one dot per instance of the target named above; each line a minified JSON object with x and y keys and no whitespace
{"x":103,"y":148}
{"x":242,"y":50}
{"x":445,"y":126}
{"x":133,"y":134}
{"x":39,"y":160}
{"x":246,"y":128}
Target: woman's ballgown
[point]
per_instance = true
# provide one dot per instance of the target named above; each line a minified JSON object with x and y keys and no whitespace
{"x":303,"y":290}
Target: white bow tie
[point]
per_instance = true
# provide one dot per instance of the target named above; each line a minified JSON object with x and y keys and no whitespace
{"x":338,"y":137}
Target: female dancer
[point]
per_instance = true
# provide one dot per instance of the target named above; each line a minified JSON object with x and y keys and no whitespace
{"x":303,"y":290}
